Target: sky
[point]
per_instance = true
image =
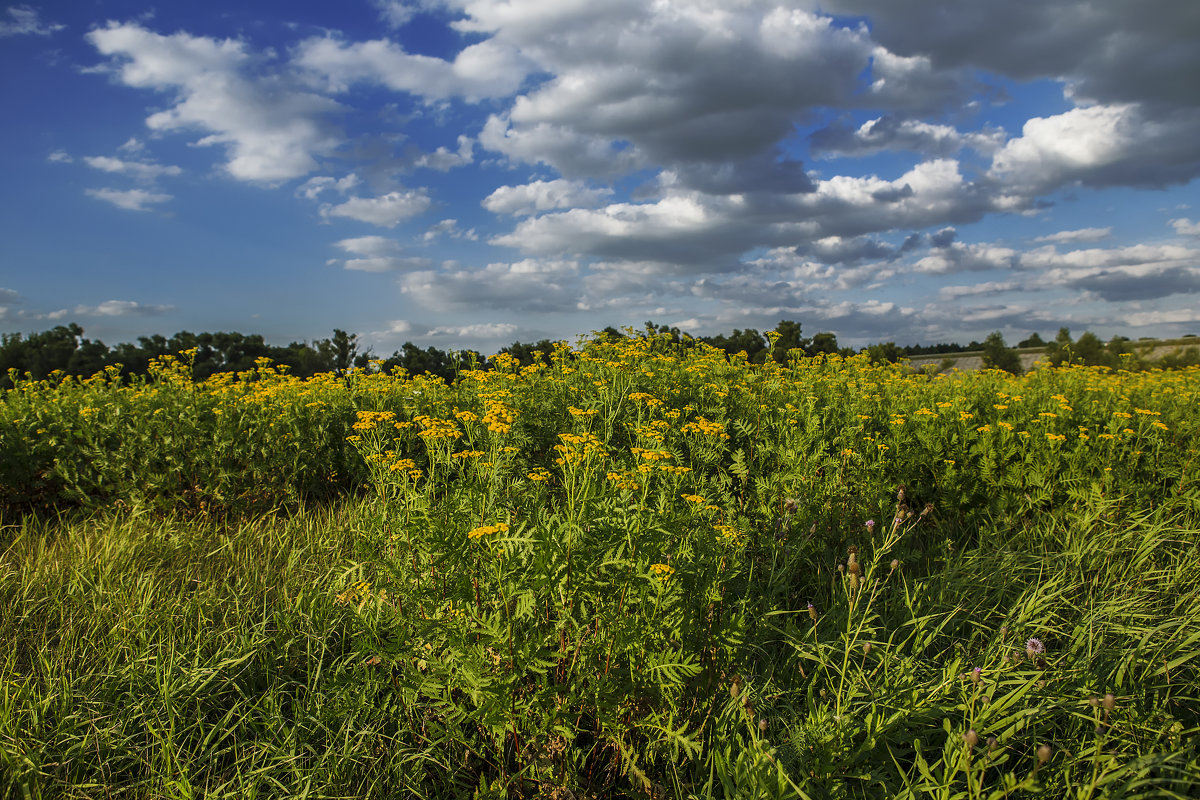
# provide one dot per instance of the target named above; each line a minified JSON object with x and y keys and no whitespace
{"x":469,"y":173}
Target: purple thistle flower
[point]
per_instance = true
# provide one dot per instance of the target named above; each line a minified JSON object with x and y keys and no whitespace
{"x":1034,"y":647}
{"x":870,"y":526}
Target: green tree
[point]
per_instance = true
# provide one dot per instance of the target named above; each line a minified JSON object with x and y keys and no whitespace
{"x":998,"y":355}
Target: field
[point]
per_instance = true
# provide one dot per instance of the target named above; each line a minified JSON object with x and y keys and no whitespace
{"x":636,"y":570}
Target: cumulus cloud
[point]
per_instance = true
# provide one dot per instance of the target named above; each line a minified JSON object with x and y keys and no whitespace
{"x":141,"y":170}
{"x":532,"y":198}
{"x":314,"y":187}
{"x":1139,"y":272}
{"x":479,"y":330}
{"x":122,"y":308}
{"x":376,"y":254}
{"x":25,"y":21}
{"x":528,"y":285}
{"x":444,"y":160}
{"x":1080,"y":235}
{"x":1102,"y":145}
{"x":892,"y":132}
{"x":1140,"y":319}
{"x":977,"y":289}
{"x":129,"y":199}
{"x":271,"y":128}
{"x":60,"y":157}
{"x":385,"y":211}
{"x":1185,"y":227}
{"x":449,"y":228}
{"x":490,"y":68}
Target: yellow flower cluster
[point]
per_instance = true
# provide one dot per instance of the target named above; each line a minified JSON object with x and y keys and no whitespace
{"x":578,"y":447}
{"x":706,"y":427}
{"x":662,"y":571}
{"x":487,"y":530}
{"x":433,"y":428}
{"x":369,"y":420}
{"x":498,"y":417}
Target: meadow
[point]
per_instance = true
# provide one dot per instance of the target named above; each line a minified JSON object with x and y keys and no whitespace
{"x":636,"y":569}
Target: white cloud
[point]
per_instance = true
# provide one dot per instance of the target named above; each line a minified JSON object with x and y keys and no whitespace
{"x":444,"y":160}
{"x":129,"y":199}
{"x":1185,"y":227}
{"x":312,"y":188}
{"x":271,"y":129}
{"x":9,"y":296}
{"x":60,"y":157}
{"x":481,"y":330}
{"x":975,"y":290}
{"x":376,"y":254}
{"x":395,"y":13}
{"x":538,"y":196}
{"x":386,"y":210}
{"x":896,"y":133}
{"x":122,"y":308}
{"x":1080,"y":235}
{"x":448,"y":227}
{"x":138,"y":169}
{"x":1172,"y":317}
{"x":1102,"y":145}
{"x":25,"y":21}
{"x":528,"y":285}
{"x":485,"y":69}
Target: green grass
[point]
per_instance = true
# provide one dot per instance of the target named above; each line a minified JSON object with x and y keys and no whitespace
{"x":157,"y":658}
{"x":150,"y":657}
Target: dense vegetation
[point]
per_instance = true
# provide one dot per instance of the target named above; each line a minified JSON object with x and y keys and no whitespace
{"x":637,"y":568}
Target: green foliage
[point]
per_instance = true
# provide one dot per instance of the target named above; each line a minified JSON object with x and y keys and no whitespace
{"x":639,"y":567}
{"x":998,"y":355}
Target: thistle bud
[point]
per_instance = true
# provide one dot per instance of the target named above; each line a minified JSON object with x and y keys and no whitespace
{"x":854,"y":581}
{"x":735,"y":688}
{"x":895,"y":564}
{"x":870,"y":526}
{"x":975,"y":675}
{"x":991,"y":743}
{"x":1110,"y":702}
{"x":854,"y":568}
{"x":790,"y":505}
{"x":1043,"y":754}
{"x":971,"y":738}
{"x":867,"y":649}
{"x":812,"y":613}
{"x":762,"y":724}
{"x":900,"y":493}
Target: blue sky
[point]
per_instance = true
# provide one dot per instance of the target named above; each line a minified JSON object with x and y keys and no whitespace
{"x":466,"y":173}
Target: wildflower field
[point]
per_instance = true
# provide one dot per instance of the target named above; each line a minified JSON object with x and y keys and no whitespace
{"x":636,"y":569}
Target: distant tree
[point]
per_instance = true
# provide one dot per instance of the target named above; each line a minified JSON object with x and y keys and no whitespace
{"x":883,"y":352}
{"x":40,"y":354}
{"x":1034,"y":340}
{"x":749,"y":341}
{"x":528,"y":354}
{"x":998,"y":355}
{"x":1059,"y":351}
{"x":822,"y":343}
{"x":340,"y":351}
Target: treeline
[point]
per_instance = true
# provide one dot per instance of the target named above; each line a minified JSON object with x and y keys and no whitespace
{"x":65,"y":350}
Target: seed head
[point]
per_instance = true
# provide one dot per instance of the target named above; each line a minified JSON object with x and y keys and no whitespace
{"x":867,"y":649}
{"x":1110,"y":702}
{"x":854,"y":567}
{"x":991,"y":743}
{"x":1043,"y":754}
{"x":975,"y":675}
{"x":1034,"y":647}
{"x":762,"y":724}
{"x":790,"y":505}
{"x":895,"y":564}
{"x":971,"y":738}
{"x":735,"y":688}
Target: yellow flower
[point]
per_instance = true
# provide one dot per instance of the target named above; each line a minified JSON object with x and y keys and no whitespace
{"x":662,"y":571}
{"x":487,"y":530}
